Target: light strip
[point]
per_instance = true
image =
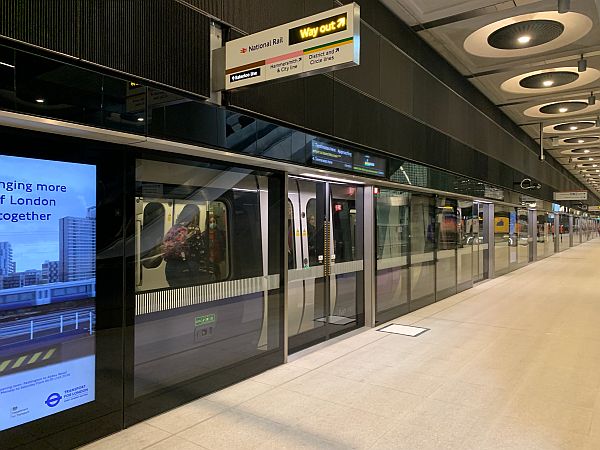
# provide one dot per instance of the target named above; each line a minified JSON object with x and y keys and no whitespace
{"x":328,"y":178}
{"x":7,"y":65}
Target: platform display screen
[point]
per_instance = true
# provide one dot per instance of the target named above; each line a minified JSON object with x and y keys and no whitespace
{"x":335,"y":157}
{"x":47,"y":287}
{"x":369,"y":164}
{"x":328,"y":155}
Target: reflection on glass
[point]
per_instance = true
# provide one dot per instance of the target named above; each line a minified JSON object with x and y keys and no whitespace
{"x":522,"y":236}
{"x":205,"y":281}
{"x":502,"y":237}
{"x":447,"y":241}
{"x":392,"y":225}
{"x":468,"y":244}
{"x":564,"y":232}
{"x":422,"y":245}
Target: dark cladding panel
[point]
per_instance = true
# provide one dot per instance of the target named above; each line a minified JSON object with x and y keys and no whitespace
{"x":356,"y":117}
{"x":214,"y":7}
{"x":162,"y":40}
{"x":282,"y":101}
{"x":257,"y":15}
{"x":319,"y":93}
{"x":364,"y":77}
{"x":50,"y":24}
{"x":397,"y":79}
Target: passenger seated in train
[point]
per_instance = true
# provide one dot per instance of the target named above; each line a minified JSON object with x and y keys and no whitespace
{"x":184,"y":249}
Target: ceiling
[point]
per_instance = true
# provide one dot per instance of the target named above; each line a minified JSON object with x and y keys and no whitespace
{"x":523,"y":55}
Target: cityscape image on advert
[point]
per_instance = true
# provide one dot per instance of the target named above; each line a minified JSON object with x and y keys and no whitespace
{"x":47,"y":287}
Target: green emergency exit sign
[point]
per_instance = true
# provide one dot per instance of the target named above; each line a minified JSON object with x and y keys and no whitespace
{"x":204,"y":320}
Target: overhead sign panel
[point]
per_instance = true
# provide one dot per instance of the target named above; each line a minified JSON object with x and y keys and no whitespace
{"x":315,"y":44}
{"x":594,"y":208}
{"x":571,"y":195}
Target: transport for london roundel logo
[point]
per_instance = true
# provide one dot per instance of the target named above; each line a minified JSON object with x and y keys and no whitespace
{"x":53,"y":400}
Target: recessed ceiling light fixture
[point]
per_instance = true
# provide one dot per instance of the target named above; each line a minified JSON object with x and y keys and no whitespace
{"x":140,"y":119}
{"x":586,"y":151}
{"x":582,"y":65}
{"x":564,"y":6}
{"x":572,"y":128}
{"x":39,"y":100}
{"x":580,"y":141}
{"x":563,"y":110}
{"x":547,"y":83}
{"x":523,"y":39}
{"x":590,"y":159}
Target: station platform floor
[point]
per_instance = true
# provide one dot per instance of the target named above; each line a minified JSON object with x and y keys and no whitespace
{"x":513,"y":363}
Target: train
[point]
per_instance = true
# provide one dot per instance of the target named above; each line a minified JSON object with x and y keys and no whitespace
{"x":46,"y":294}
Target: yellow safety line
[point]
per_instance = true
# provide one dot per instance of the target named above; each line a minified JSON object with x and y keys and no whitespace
{"x":19,"y":361}
{"x":35,"y":357}
{"x":4,"y":364}
{"x":49,"y":354}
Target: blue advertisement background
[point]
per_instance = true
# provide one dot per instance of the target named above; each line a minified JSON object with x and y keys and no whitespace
{"x":47,"y":287}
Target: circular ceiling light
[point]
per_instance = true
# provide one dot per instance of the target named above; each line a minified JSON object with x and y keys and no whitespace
{"x":528,"y":34}
{"x":525,"y":34}
{"x":581,"y":140}
{"x":550,"y":80}
{"x":563,"y":107}
{"x":567,"y":107}
{"x":582,"y":151}
{"x":569,"y":127}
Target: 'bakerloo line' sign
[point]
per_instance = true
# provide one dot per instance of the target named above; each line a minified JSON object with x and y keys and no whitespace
{"x":321,"y":43}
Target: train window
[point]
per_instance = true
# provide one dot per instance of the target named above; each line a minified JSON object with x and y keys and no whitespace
{"x":152,"y":233}
{"x":312,"y":230}
{"x":291,"y":237}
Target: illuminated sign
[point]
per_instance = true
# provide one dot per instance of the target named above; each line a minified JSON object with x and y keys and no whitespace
{"x":333,"y":24}
{"x":571,"y":195}
{"x":320,"y":43}
{"x":47,"y":288}
{"x":335,"y":157}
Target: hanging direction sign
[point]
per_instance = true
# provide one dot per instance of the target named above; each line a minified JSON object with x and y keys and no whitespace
{"x":321,"y":43}
{"x":571,"y":195}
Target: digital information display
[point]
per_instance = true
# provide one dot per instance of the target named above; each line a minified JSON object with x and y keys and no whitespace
{"x":335,"y":157}
{"x":369,"y":164}
{"x":47,"y":287}
{"x":324,"y":154}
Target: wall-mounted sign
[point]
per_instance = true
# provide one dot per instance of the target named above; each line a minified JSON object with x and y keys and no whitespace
{"x":330,"y":155}
{"x":320,"y":43}
{"x":571,"y":195}
{"x":595,"y":208}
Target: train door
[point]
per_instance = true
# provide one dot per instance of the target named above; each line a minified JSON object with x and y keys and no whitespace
{"x":325,"y":265}
{"x":467,"y":232}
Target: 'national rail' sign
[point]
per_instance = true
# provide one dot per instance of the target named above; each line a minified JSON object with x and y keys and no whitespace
{"x":320,"y":43}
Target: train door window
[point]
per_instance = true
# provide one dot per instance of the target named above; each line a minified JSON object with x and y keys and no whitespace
{"x":152,"y":233}
{"x":209,"y":314}
{"x":313,"y":229}
{"x":291,"y":233}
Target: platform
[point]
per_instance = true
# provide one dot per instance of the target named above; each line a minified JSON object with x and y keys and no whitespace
{"x":511,"y":364}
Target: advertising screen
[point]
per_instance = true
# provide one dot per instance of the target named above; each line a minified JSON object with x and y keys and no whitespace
{"x":47,"y":287}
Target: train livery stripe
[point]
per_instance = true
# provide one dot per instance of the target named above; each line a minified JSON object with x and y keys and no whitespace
{"x":151,"y":302}
{"x":4,"y":364}
{"x":34,"y":358}
{"x":19,"y":361}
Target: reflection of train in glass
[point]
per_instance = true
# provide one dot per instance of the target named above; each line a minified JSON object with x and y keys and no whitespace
{"x":46,"y":294}
{"x":219,"y":306}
